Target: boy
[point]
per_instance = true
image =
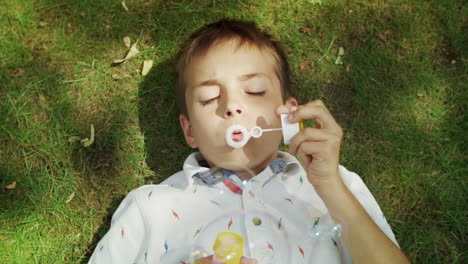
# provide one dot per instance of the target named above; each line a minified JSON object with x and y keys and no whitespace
{"x":231,"y":73}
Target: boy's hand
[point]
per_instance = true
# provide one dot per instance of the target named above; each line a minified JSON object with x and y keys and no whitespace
{"x":318,"y":149}
{"x":211,"y":260}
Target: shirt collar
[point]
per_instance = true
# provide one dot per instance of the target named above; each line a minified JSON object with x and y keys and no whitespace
{"x":285,"y":162}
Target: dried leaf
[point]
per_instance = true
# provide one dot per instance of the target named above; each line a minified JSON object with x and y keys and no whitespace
{"x":147,"y":64}
{"x":11,"y":186}
{"x":73,"y":139}
{"x":348,"y":68}
{"x":341,"y":51}
{"x":70,"y":197}
{"x":384,"y":35}
{"x":338,"y":60}
{"x":124,"y":6}
{"x":116,"y":76}
{"x":17,"y":72}
{"x":302,"y":65}
{"x":87,"y":142}
{"x":132,"y":52}
{"x":127,"y":41}
{"x":306,"y":29}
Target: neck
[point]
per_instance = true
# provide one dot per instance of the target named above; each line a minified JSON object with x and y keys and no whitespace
{"x":252,"y":172}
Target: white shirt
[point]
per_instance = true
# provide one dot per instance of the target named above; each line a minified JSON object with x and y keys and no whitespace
{"x":278,"y":213}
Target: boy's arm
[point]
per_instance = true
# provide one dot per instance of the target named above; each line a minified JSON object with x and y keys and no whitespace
{"x":318,"y":150}
{"x":123,"y":241}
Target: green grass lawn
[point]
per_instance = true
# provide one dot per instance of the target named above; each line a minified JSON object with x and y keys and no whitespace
{"x":400,"y":94}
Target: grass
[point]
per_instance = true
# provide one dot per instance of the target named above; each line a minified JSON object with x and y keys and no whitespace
{"x":400,"y":96}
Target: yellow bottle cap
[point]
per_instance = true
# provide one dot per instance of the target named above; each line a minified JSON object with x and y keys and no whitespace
{"x":228,"y":247}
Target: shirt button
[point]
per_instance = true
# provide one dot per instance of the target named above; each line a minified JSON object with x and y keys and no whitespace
{"x":218,"y":174}
{"x":256,"y":221}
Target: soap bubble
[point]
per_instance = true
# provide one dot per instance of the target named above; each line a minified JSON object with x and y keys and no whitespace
{"x":254,"y":234}
{"x":262,"y":234}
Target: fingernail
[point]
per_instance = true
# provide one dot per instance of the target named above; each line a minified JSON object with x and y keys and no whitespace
{"x":293,"y":108}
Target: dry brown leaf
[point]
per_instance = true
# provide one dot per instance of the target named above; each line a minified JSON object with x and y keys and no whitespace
{"x":339,"y":60}
{"x":306,"y":29}
{"x":132,"y":52}
{"x":42,"y":98}
{"x":127,"y":41}
{"x":73,"y":139}
{"x":116,"y":76}
{"x":348,"y":68}
{"x":70,"y":197}
{"x":147,"y":64}
{"x":124,"y":6}
{"x":17,"y":72}
{"x":11,"y":186}
{"x":384,"y":35}
{"x":341,"y":51}
{"x":87,"y":142}
{"x":302,"y":65}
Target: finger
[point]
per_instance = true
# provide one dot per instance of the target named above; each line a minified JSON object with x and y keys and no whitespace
{"x":245,"y":260}
{"x":283,"y":109}
{"x":205,"y":260}
{"x":310,"y":151}
{"x":318,"y":102}
{"x":304,"y":158}
{"x":308,"y":134}
{"x":318,"y":112}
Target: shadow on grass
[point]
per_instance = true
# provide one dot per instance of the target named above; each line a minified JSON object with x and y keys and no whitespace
{"x":362,"y":91}
{"x":103,"y":228}
{"x":159,"y":123}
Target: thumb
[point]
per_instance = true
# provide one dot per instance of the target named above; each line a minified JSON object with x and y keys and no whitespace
{"x":281,"y":109}
{"x":245,"y":260}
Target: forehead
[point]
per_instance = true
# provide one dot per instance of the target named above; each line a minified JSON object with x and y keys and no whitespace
{"x":229,"y":59}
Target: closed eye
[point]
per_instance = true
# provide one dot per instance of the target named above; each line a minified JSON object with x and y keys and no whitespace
{"x":203,"y":103}
{"x":256,"y":93}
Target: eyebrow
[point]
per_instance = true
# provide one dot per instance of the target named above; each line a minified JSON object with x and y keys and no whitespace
{"x":245,"y":77}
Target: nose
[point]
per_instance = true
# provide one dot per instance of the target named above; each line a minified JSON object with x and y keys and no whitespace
{"x":233,"y":110}
{"x":233,"y":106}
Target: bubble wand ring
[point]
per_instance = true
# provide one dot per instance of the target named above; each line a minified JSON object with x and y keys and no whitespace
{"x":289,"y":131}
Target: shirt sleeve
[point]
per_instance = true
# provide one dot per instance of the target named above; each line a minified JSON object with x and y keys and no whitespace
{"x":367,"y":201}
{"x":124,"y":240}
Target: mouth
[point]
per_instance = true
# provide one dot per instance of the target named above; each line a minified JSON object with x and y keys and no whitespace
{"x":237,"y":136}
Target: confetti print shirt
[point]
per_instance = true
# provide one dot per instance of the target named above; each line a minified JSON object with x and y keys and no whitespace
{"x":278,"y":213}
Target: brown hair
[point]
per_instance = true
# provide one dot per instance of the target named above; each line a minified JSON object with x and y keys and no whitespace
{"x":226,"y":29}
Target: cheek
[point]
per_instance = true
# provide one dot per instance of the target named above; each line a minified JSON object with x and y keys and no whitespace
{"x":204,"y":129}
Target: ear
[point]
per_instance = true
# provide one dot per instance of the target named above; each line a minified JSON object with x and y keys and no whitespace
{"x":187,"y":128}
{"x":285,"y":108}
{"x":291,"y":102}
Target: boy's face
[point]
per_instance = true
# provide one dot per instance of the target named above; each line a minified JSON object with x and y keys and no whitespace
{"x":232,"y":85}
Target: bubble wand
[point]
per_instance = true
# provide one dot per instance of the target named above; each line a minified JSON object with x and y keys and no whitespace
{"x":237,"y":135}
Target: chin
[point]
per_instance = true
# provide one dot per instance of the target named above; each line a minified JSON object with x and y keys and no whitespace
{"x":244,"y":160}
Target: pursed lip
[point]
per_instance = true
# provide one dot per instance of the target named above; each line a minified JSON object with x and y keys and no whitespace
{"x":237,"y":136}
